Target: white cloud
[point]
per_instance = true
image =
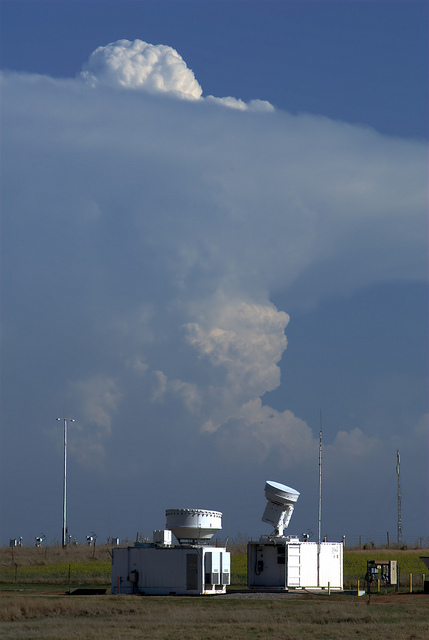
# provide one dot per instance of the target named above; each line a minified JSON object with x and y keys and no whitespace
{"x":96,"y":400}
{"x":188,"y":393}
{"x":160,"y":387}
{"x":246,"y":340}
{"x":352,"y":444}
{"x":422,"y":428}
{"x":139,"y":65}
{"x":243,"y":344}
{"x":233,"y":103}
{"x":258,"y":431}
{"x":157,"y":68}
{"x":150,"y":235}
{"x":98,"y":397}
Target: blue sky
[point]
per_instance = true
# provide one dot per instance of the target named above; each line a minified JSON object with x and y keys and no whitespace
{"x":198,"y":260}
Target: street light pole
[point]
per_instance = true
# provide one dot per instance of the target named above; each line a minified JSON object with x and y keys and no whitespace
{"x":64,"y":541}
{"x":398,"y":473}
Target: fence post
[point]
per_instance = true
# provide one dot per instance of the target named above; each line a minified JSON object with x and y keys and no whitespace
{"x":358,"y":587}
{"x":329,"y":588}
{"x":411,"y":583}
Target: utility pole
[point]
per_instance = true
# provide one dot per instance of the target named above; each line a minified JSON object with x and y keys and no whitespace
{"x":398,"y":473}
{"x":320,"y":482}
{"x":65,"y":532}
{"x":319,"y":535}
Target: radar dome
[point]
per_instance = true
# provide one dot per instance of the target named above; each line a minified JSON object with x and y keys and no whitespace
{"x":193,"y":524}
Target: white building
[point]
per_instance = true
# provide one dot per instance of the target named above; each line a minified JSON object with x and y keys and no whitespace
{"x":191,"y":567}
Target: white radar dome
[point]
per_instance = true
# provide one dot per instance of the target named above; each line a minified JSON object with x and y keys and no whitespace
{"x":281,"y":501}
{"x":193,"y":524}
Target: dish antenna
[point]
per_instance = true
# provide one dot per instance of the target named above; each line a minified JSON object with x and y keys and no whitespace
{"x":281,"y":502}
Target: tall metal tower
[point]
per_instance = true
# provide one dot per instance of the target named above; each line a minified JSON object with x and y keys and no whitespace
{"x":398,"y":473}
{"x":65,"y":531}
{"x":320,"y":483}
{"x":319,"y":532}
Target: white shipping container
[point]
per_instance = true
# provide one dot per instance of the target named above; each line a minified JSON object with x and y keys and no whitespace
{"x":293,"y":564}
{"x":163,"y":570}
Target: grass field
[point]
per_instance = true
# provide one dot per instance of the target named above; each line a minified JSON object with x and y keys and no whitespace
{"x":408,"y":561}
{"x":91,"y":565}
{"x":34,"y":604}
{"x":213,"y":618}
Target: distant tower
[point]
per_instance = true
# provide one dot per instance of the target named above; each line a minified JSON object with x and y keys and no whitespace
{"x":65,"y":531}
{"x":320,"y":483}
{"x":398,"y":473}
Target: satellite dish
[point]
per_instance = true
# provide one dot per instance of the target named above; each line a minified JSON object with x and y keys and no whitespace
{"x":193,"y":524}
{"x":278,"y":511}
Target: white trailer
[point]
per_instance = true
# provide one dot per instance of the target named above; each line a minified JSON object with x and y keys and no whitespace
{"x":154,"y":569}
{"x":288,"y":563}
{"x":284,"y":562}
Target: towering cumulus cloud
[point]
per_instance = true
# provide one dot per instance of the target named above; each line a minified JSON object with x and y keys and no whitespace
{"x":145,"y":237}
{"x":138,"y":65}
{"x":153,"y":68}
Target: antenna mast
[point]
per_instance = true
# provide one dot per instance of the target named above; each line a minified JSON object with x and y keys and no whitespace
{"x":398,"y":473}
{"x":320,"y":480}
{"x":320,"y":502}
{"x":65,"y":530}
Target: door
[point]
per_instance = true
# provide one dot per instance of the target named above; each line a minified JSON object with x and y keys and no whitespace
{"x":191,"y":571}
{"x":293,"y":565}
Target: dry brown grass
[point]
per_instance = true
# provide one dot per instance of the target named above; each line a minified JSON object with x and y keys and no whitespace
{"x":216,"y":618}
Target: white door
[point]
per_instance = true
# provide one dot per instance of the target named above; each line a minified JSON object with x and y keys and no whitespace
{"x":293,"y":565}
